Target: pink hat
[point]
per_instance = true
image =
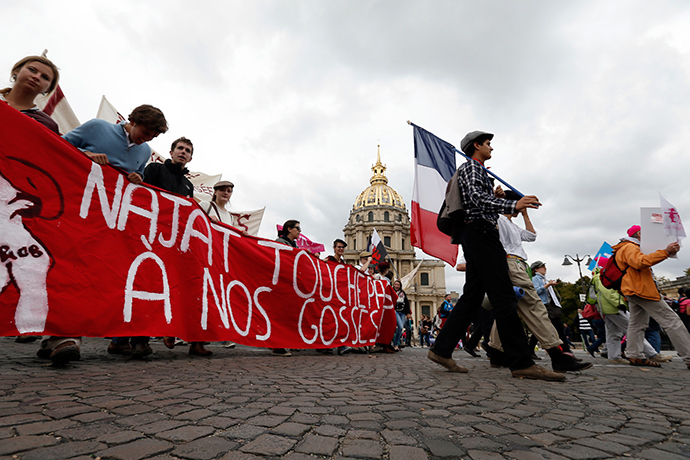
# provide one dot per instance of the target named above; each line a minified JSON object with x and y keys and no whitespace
{"x":634,"y":229}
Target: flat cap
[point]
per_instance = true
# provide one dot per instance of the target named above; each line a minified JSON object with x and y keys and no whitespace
{"x":471,"y":137}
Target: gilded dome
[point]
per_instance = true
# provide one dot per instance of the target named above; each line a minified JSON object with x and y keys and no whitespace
{"x":379,"y":193}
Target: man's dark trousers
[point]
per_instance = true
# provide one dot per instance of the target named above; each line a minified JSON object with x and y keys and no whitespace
{"x":487,"y":271}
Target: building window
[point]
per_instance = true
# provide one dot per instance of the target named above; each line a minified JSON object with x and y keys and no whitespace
{"x":402,"y":246}
{"x":357,"y":218}
{"x":424,"y":279}
{"x":387,"y":241}
{"x":399,"y":217}
{"x":386,"y":217}
{"x":354,"y":243}
{"x":370,"y":217}
{"x":426,"y":310}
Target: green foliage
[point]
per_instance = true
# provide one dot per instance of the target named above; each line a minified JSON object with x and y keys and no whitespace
{"x":687,"y":272}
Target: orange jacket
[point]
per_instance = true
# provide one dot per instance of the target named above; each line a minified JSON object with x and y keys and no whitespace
{"x":638,"y":280}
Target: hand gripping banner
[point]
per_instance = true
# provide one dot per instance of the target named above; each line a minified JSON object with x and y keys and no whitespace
{"x":85,"y":252}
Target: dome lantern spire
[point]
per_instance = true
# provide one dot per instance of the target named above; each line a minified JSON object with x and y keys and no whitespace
{"x":379,"y":193}
{"x":379,"y":176}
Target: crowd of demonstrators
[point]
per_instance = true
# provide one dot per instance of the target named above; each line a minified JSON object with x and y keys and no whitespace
{"x":478,"y":207}
{"x":492,"y":245}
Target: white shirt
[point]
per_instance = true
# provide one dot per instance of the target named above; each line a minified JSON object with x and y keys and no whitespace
{"x":222,"y":214}
{"x":512,"y":236}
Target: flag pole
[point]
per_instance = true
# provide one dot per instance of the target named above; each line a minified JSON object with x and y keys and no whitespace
{"x":469,"y":158}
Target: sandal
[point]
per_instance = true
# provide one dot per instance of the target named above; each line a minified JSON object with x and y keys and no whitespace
{"x":643,"y":362}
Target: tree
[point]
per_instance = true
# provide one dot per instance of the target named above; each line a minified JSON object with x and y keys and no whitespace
{"x":570,"y":297}
{"x":687,"y":272}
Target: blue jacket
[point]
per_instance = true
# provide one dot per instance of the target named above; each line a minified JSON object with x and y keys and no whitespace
{"x":539,"y":282}
{"x":99,"y":136}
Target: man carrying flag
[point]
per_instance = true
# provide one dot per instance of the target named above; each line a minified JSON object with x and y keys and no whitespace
{"x":487,"y":267}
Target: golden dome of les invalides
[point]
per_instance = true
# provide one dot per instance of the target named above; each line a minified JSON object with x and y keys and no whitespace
{"x":379,"y":193}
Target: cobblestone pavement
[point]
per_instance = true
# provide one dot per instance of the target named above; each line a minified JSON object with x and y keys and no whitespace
{"x":245,"y":404}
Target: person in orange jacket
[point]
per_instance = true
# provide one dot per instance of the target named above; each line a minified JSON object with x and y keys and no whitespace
{"x":644,"y":299}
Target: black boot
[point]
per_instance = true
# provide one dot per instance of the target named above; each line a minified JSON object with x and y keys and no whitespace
{"x":496,"y":358}
{"x":562,"y":362}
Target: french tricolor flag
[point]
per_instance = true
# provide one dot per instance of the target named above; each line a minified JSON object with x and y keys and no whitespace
{"x":434,"y":167}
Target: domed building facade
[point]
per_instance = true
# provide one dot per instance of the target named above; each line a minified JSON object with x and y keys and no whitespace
{"x":380,"y":207}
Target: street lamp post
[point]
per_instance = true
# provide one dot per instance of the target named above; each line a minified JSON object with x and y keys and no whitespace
{"x":586,"y":259}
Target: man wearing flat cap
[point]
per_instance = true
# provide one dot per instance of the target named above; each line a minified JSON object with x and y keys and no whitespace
{"x":487,"y":268}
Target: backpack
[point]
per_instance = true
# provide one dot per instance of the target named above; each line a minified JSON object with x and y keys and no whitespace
{"x":451,"y":222}
{"x":611,"y":275}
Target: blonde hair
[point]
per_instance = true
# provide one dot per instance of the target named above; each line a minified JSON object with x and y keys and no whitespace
{"x":43,"y":60}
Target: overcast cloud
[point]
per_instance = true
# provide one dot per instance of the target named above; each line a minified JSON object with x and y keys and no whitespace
{"x":289,"y":99}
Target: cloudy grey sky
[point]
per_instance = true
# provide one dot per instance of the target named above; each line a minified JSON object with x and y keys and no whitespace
{"x":289,"y":99}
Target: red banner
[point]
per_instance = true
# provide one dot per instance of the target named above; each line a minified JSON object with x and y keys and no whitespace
{"x":85,"y":252}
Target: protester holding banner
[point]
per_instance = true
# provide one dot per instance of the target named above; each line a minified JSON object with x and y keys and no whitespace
{"x":364,"y":261}
{"x":337,"y":257}
{"x":122,"y":145}
{"x":338,"y":251}
{"x":170,"y":176}
{"x":217,"y":207}
{"x":32,"y":76}
{"x":644,"y":300}
{"x":288,"y":235}
{"x":487,"y":268}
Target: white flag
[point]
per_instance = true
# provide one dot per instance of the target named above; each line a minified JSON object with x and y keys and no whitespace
{"x":249,"y":221}
{"x":57,"y":107}
{"x":407,"y":279}
{"x":673,"y":226}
